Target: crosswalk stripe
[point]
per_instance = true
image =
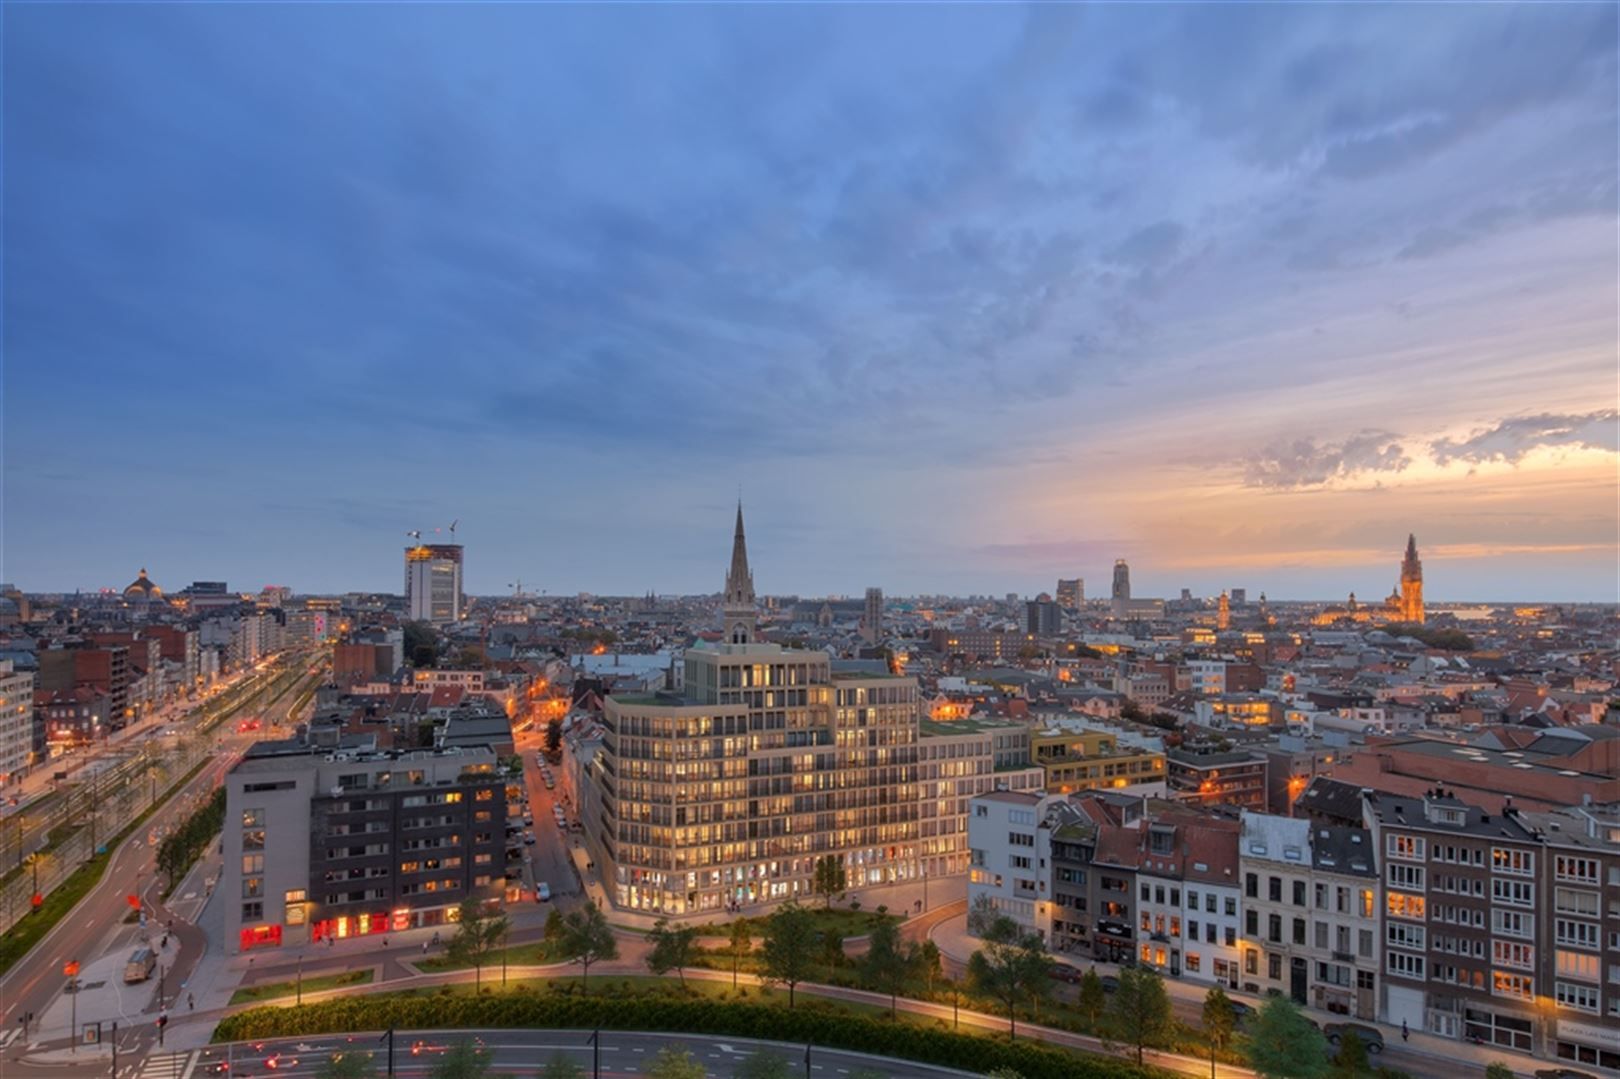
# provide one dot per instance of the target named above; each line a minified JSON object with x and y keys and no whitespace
{"x":168,"y":1065}
{"x":11,"y":1035}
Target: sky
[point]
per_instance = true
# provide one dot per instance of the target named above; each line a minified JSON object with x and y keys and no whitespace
{"x":960,"y":299}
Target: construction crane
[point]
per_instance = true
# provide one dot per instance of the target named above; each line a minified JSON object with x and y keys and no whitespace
{"x":415,"y":534}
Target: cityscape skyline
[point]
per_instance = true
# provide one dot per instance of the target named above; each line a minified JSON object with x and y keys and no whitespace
{"x":970,"y":299}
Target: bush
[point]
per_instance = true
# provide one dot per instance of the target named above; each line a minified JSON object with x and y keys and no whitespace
{"x":828,"y":1027}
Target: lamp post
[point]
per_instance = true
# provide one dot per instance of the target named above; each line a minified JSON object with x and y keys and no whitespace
{"x":595,"y":1042}
{"x":300,"y":980}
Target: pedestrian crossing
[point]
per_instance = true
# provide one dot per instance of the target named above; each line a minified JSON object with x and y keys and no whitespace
{"x":168,"y":1066}
{"x":9,"y":1035}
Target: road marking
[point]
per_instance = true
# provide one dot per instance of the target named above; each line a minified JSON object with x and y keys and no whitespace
{"x":10,"y":1036}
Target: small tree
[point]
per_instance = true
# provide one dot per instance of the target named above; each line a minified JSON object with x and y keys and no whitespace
{"x":926,"y":964}
{"x":1139,"y":1013}
{"x":1219,"y":1022}
{"x":884,"y":966}
{"x":1351,"y":1058}
{"x":464,"y":1060}
{"x":587,"y":938}
{"x":1497,"y":1070}
{"x":981,"y":914}
{"x":560,"y":1067}
{"x":789,"y":949}
{"x":764,"y":1065}
{"x":1011,"y":964}
{"x":347,"y":1066}
{"x":742,"y":943}
{"x":478,"y":933}
{"x":830,"y":878}
{"x":553,"y":735}
{"x":1280,"y":1043}
{"x":1092,"y":998}
{"x":554,"y":926}
{"x":673,"y":1063}
{"x":672,"y":948}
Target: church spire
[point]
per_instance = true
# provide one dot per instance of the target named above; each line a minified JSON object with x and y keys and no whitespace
{"x":738,"y":605}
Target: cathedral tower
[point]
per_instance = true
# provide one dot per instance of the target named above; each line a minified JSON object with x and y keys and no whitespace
{"x":737,"y":608}
{"x":1411,"y":583}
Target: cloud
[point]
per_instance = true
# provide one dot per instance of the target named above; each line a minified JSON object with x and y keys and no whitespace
{"x":1511,"y":439}
{"x":1306,"y":463}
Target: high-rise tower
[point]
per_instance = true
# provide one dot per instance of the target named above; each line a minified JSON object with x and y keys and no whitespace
{"x":1122,"y":588}
{"x":737,"y":608}
{"x":872,"y":621}
{"x":1411,"y":583}
{"x":1223,"y":613}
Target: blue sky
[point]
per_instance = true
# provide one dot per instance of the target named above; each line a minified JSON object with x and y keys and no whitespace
{"x":961,"y":298}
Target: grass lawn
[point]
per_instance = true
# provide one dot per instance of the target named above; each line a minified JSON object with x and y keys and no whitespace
{"x":846,"y":923}
{"x":536,"y":954}
{"x":272,"y":990}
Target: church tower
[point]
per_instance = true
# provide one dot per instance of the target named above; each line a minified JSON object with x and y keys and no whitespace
{"x":1411,"y":584}
{"x":1223,"y":612}
{"x":737,"y":609}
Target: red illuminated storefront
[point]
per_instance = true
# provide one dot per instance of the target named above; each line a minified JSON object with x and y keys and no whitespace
{"x":261,"y":936}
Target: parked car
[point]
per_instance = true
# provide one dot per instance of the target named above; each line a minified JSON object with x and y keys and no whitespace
{"x":528,"y":839}
{"x":1110,"y":983}
{"x":1563,"y":1073}
{"x":1064,"y":973}
{"x":542,"y":892}
{"x":1372,"y":1039}
{"x":1240,"y":1011}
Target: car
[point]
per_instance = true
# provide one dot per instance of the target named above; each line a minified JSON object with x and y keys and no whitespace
{"x":1062,"y":972}
{"x":528,"y":839}
{"x":1372,"y":1039}
{"x":1110,"y":983}
{"x":542,"y":892}
{"x":1240,"y":1011}
{"x":422,"y":1048}
{"x":280,"y":1062}
{"x":1563,"y":1073}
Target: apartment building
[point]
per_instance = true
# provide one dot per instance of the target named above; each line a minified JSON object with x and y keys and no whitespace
{"x":1010,"y":854}
{"x":1466,"y":930}
{"x":957,"y":762}
{"x":1208,"y":777}
{"x":1212,"y":920}
{"x":16,"y":721}
{"x":768,"y":760}
{"x":1582,"y":863}
{"x":1075,"y":761}
{"x":355,"y":842}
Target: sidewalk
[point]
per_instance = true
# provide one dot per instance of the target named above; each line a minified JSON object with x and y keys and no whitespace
{"x":957,"y":944}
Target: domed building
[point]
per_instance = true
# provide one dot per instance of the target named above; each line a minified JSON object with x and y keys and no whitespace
{"x":142,"y":590}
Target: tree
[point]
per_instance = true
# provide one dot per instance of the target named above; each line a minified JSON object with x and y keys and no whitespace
{"x":830,"y":878}
{"x":672,"y":948}
{"x":980,"y":914}
{"x":1351,"y":1059}
{"x":421,"y":643}
{"x":1092,"y":998}
{"x":553,"y":735}
{"x":347,"y":1066}
{"x":742,"y":943}
{"x":789,"y":950}
{"x":553,"y":931}
{"x":1280,"y":1043}
{"x":1497,"y":1070}
{"x":1139,"y":1012}
{"x":463,"y":1060}
{"x":673,"y":1063}
{"x":478,"y":933}
{"x":587,"y":938}
{"x":1219,"y":1022}
{"x":764,"y":1065}
{"x":926,"y":963}
{"x":884,"y":966}
{"x":560,"y":1067}
{"x":1011,"y":964}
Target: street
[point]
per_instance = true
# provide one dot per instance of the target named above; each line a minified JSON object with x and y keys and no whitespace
{"x":96,"y":926}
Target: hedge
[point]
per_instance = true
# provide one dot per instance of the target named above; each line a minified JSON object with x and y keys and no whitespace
{"x":831,"y":1028}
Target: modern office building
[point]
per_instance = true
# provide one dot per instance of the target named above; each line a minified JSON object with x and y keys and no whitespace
{"x":1071,"y":592}
{"x":768,"y":759}
{"x":1074,"y":761}
{"x":1122,"y":589}
{"x":1237,"y":777}
{"x":353,"y":842}
{"x":433,"y":583}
